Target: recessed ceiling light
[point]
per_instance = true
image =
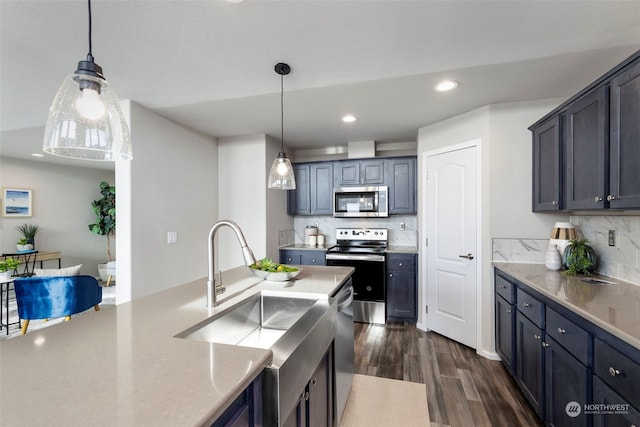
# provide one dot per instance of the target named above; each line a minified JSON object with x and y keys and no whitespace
{"x":446,"y":85}
{"x":37,"y":155}
{"x":349,"y":118}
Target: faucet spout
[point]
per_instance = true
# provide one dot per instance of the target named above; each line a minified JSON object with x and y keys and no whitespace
{"x":249,"y":258}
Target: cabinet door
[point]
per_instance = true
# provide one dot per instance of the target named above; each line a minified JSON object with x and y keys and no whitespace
{"x":505,"y":336}
{"x":312,"y":258}
{"x":299,"y":200}
{"x":347,"y":173}
{"x":587,"y":151}
{"x":566,"y":381}
{"x":602,"y":394}
{"x":321,"y":188}
{"x":624,"y":139}
{"x":372,"y":172}
{"x":297,"y":417}
{"x":402,"y":290}
{"x":290,"y":257}
{"x":401,"y":180}
{"x":547,"y":159}
{"x":319,"y":412}
{"x":529,"y":362}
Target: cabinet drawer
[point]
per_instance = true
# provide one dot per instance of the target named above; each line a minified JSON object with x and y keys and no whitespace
{"x":504,"y":288}
{"x":401,"y":262}
{"x":569,"y":335}
{"x":619,"y":371}
{"x":530,"y":307}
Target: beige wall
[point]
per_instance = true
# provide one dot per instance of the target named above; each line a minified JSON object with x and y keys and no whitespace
{"x":172,"y":186}
{"x":62,"y":197}
{"x":505,"y":151}
{"x":244,"y":164}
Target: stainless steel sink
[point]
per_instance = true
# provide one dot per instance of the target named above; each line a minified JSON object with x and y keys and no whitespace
{"x":298,"y":331}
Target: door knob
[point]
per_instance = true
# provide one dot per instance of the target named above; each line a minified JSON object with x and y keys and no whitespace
{"x":467,"y":256}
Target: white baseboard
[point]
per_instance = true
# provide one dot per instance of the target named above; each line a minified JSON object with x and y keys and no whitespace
{"x":491,"y":355}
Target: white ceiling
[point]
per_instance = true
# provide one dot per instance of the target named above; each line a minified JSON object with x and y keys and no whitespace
{"x":209,"y":64}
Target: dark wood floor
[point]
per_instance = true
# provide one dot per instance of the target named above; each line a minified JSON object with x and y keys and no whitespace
{"x":463,"y":389}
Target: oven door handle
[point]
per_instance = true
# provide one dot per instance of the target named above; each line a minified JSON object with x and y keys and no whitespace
{"x":354,"y":257}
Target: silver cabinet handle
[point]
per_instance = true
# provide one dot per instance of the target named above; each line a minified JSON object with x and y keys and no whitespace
{"x":314,"y":382}
{"x":313,"y":261}
{"x":614,"y":372}
{"x":554,"y":203}
{"x":526,"y":304}
{"x":544,"y":344}
{"x":400,"y":264}
{"x":610,"y":197}
{"x":390,"y":274}
{"x":502,"y":286}
{"x":597,"y":199}
{"x":508,"y":310}
{"x":536,"y":336}
{"x":467,"y":256}
{"x":561,"y":331}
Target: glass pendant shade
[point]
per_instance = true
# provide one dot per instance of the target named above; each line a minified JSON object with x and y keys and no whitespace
{"x":86,"y":121}
{"x":281,"y":175}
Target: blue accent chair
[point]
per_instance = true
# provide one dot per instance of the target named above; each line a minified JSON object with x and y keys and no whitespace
{"x":51,"y":297}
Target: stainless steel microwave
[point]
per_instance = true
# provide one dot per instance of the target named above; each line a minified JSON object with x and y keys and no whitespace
{"x":360,"y":202}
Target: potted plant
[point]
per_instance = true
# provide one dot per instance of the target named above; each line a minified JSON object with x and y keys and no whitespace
{"x":105,"y":225}
{"x":579,"y":258}
{"x":24,"y":245}
{"x":28,"y":232}
{"x":7,"y":267}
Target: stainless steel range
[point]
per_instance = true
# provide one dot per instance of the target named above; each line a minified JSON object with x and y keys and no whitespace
{"x":363,"y":249}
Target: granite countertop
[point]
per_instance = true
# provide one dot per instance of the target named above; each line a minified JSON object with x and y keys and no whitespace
{"x":614,"y":308}
{"x":402,"y":249}
{"x":123,"y":366}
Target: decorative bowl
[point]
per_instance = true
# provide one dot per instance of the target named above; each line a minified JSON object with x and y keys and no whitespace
{"x":275,"y":276}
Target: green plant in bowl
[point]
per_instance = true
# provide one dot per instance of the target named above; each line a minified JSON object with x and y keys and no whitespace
{"x":579,"y":258}
{"x":269,"y":270}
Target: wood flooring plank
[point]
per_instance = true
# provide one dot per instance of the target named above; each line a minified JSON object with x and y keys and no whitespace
{"x":468,"y":385}
{"x":457,"y":405}
{"x":462,"y":387}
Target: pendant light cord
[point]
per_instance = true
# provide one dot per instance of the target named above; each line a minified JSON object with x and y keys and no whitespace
{"x":90,"y":54}
{"x":282,"y":112}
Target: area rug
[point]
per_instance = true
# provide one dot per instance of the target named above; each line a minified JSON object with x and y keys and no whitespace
{"x":108,"y":298}
{"x":382,"y":402}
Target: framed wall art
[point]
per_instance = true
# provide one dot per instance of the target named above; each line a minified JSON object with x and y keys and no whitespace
{"x":16,"y":202}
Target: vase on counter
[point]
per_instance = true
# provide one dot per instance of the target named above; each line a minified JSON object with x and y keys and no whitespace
{"x":552,"y":259}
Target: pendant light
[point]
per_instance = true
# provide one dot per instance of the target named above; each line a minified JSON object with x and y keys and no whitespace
{"x":281,"y":175}
{"x":85,"y":120}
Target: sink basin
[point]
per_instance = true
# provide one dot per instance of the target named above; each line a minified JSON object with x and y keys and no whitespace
{"x":592,"y":281}
{"x":298,"y":331}
{"x":259,"y":321}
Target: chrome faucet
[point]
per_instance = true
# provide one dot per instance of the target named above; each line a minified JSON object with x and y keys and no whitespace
{"x":212,"y":289}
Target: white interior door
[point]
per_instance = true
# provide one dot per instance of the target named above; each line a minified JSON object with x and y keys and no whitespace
{"x":451,"y":218}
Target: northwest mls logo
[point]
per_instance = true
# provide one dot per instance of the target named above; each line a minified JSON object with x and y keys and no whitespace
{"x":573,"y":409}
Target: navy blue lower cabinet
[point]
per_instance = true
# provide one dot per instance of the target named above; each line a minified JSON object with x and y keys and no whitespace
{"x":567,"y":382}
{"x":529,"y":362}
{"x":246,"y":410}
{"x":302,"y":257}
{"x":505,"y":332}
{"x":610,"y":409}
{"x":402,"y":287}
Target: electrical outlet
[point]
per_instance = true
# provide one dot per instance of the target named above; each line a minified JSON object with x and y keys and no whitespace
{"x":402,"y":226}
{"x":172,"y":237}
{"x":612,"y":238}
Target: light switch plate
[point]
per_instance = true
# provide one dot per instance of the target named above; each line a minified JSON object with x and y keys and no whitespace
{"x":612,"y":238}
{"x":172,"y":237}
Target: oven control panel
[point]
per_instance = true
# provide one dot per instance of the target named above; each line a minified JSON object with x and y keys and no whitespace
{"x":378,"y":234}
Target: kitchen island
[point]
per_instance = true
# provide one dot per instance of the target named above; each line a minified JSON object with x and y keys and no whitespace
{"x":122,"y":366}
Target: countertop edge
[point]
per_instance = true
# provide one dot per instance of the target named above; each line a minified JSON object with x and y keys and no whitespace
{"x":607,"y":327}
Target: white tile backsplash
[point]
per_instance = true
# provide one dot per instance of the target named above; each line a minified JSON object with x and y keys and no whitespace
{"x":621,"y":262}
{"x":327,"y":225}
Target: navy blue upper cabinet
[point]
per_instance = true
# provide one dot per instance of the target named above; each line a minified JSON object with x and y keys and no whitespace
{"x":359,"y":172}
{"x":547,"y":160}
{"x":625,"y":139}
{"x":400,"y":173}
{"x":586,"y":151}
{"x":314,"y":189}
{"x":315,"y":182}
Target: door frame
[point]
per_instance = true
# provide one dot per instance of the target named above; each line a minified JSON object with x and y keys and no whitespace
{"x":422,"y":248}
